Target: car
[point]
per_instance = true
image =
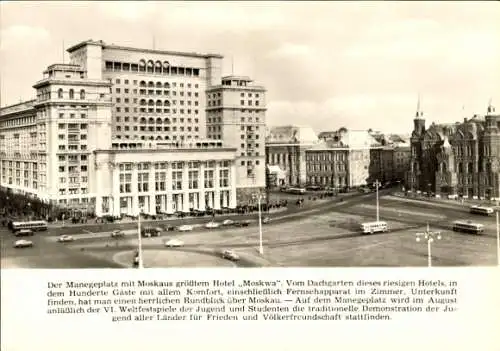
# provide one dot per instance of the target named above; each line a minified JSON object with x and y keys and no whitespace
{"x":242,"y":223}
{"x":149,"y":232}
{"x":23,"y":243}
{"x":168,"y":228}
{"x":266,"y":220}
{"x":117,"y":233}
{"x":212,"y":225}
{"x":185,"y":228}
{"x":228,"y":222}
{"x":174,"y":243}
{"x":65,"y":238}
{"x":230,"y":255}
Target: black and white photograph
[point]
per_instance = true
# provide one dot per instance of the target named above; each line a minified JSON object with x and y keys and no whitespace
{"x":249,"y":134}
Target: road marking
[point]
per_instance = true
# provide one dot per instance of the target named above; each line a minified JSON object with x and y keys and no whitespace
{"x":401,"y":211}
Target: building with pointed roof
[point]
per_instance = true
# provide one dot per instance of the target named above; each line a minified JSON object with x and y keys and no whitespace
{"x":456,"y":159}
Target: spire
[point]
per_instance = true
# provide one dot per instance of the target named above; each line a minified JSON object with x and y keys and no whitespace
{"x":491,"y":109}
{"x":419,"y":113}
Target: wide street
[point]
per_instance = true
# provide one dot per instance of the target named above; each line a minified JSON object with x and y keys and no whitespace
{"x":326,"y":236}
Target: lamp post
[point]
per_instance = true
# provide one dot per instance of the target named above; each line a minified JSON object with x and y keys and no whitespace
{"x":377,"y":184}
{"x":140,"y":264}
{"x":498,"y":235}
{"x":259,"y":197}
{"x":430,"y":237}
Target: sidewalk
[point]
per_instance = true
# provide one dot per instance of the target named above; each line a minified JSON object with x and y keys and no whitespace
{"x":455,"y":203}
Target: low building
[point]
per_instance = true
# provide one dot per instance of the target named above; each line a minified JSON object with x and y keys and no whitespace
{"x":285,"y":149}
{"x":342,"y":161}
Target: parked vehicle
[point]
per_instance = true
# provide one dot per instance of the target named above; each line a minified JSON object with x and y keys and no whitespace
{"x":230,"y":255}
{"x":23,"y":243}
{"x":65,"y":238}
{"x":174,"y":243}
{"x":185,"y":228}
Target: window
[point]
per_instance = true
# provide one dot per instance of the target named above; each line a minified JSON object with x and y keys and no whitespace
{"x":209,"y":179}
{"x":193,"y":179}
{"x":71,"y":94}
{"x":60,"y":93}
{"x":224,"y":178}
{"x":177,"y":180}
{"x":82,"y":94}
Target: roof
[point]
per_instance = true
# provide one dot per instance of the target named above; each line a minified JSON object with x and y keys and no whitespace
{"x":352,"y":139}
{"x":291,"y":134}
{"x":127,"y":48}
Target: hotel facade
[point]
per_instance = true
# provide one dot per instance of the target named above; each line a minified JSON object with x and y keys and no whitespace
{"x":121,"y":130}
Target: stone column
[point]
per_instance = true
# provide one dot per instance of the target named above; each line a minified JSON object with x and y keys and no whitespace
{"x":115,"y":175}
{"x":216,"y":204}
{"x":232,"y":183}
{"x":135,"y":193}
{"x":168,"y":184}
{"x":98,"y":191}
{"x":152,"y":190}
{"x":201,"y":188}
{"x":185,"y":187}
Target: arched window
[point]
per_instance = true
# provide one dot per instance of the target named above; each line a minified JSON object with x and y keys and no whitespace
{"x":158,"y":121}
{"x":158,"y":138}
{"x":142,"y":66}
{"x":151,"y":102}
{"x":151,"y":138}
{"x":166,"y":65}
{"x":151,"y":120}
{"x":159,"y":85}
{"x":470,"y":168}
{"x":150,"y":67}
{"x":166,"y":103}
{"x":158,"y":67}
{"x":143,"y":120}
{"x":443,"y":167}
{"x":166,"y":85}
{"x":151,"y":84}
{"x":60,"y":93}
{"x":71,"y":94}
{"x":166,"y":121}
{"x":82,"y":94}
{"x":142,"y":84}
{"x":460,"y":168}
{"x":159,"y":103}
{"x":143,"y":102}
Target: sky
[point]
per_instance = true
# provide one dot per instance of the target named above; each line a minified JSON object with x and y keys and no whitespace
{"x":326,"y":65}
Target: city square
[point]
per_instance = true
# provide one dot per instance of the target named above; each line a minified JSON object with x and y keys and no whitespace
{"x":325,"y":235}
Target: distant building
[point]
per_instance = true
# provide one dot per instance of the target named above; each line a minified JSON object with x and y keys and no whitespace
{"x":285,"y":150}
{"x":341,"y":160}
{"x":456,"y":159}
{"x":390,"y":162}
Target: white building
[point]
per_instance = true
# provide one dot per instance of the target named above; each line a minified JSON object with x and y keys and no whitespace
{"x":122,"y":129}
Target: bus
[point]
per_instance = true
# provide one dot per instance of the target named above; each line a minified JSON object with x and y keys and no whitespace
{"x":32,"y":225}
{"x":374,"y":227}
{"x":298,"y":191}
{"x":468,"y":227}
{"x":481,"y":210}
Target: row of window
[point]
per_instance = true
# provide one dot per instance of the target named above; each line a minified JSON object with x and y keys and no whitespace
{"x":9,"y":181}
{"x":71,"y":94}
{"x":73,"y":180}
{"x":151,"y":84}
{"x":339,"y":167}
{"x":158,"y":110}
{"x":158,"y":137}
{"x":174,"y":165}
{"x":72,"y":191}
{"x":158,"y":120}
{"x":17,"y":122}
{"x":151,"y":67}
{"x":73,"y":169}
{"x":327,"y":181}
{"x":27,"y":165}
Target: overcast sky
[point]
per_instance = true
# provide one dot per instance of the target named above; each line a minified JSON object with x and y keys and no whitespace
{"x":327,"y":65}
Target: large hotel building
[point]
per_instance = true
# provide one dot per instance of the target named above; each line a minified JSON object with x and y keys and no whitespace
{"x":120,"y":130}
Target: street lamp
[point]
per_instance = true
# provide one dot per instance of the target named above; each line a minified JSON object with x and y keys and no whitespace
{"x":377,"y":184}
{"x":140,"y":264}
{"x":430,"y":237}
{"x":498,"y":235}
{"x":259,"y":197}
